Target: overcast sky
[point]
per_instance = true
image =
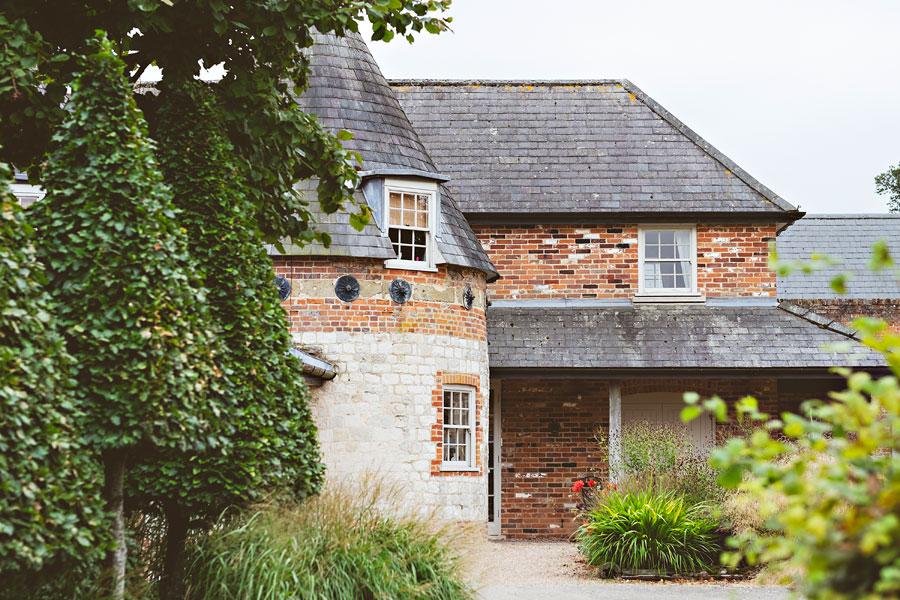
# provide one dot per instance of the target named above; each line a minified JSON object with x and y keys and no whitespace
{"x":804,"y":95}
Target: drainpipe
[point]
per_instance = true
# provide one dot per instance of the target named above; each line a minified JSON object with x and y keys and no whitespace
{"x":313,"y":366}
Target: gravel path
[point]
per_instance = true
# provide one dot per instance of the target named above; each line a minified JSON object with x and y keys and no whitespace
{"x":553,"y":570}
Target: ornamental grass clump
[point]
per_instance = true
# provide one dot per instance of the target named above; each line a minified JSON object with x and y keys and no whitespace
{"x":353,"y":544}
{"x":648,"y":531}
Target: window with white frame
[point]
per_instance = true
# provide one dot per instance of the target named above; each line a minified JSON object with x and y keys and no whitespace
{"x":459,"y":428}
{"x":668,"y":260}
{"x":411,"y":216}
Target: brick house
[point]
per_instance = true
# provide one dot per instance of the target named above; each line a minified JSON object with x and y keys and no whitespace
{"x":632,"y":264}
{"x":546,"y":261}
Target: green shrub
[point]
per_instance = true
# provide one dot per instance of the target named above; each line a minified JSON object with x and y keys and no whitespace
{"x":661,"y":457}
{"x":354,"y":545}
{"x":648,"y":531}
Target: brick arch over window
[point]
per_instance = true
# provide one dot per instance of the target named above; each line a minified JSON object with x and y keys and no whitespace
{"x":437,"y":430}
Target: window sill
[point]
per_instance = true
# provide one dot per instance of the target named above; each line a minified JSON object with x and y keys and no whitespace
{"x":668,"y":299}
{"x":451,"y":469}
{"x":406,"y":265}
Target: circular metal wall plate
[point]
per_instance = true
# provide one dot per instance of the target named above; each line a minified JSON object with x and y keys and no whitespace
{"x":401,"y":291}
{"x":347,"y":288}
{"x":283,"y":286}
{"x":468,"y":297}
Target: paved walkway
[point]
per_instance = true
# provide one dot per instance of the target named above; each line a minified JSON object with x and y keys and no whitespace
{"x":553,"y":570}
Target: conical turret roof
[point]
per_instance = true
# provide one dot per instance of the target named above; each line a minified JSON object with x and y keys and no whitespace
{"x":347,"y":91}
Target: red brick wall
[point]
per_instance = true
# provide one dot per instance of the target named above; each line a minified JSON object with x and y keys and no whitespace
{"x":571,"y":261}
{"x":419,"y":315}
{"x":845,"y":310}
{"x":548,"y":430}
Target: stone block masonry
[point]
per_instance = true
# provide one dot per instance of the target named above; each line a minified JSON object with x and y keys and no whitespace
{"x":379,"y":415}
{"x":593,"y":261}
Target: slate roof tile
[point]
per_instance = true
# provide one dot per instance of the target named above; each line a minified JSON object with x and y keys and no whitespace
{"x":679,"y":336}
{"x":556,"y":146}
{"x":848,"y":239}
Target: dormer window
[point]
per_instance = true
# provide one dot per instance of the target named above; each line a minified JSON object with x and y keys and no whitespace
{"x":411,"y":211}
{"x":668,"y":261}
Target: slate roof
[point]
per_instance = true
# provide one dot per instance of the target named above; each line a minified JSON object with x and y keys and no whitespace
{"x":347,"y":91}
{"x":345,"y":241}
{"x":849,"y":239}
{"x":457,"y":242}
{"x":664,"y":337}
{"x":574,"y":147}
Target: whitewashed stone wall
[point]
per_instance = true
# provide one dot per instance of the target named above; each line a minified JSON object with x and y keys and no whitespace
{"x":376,"y":416}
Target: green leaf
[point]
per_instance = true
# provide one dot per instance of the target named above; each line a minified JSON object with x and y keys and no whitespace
{"x":689,"y":413}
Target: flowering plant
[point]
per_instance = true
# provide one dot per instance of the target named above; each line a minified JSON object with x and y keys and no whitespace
{"x":586,"y":487}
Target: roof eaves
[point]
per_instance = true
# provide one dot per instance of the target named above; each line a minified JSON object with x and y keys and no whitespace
{"x":711,"y":150}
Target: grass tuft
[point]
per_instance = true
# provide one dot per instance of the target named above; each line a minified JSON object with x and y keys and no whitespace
{"x":356,"y":545}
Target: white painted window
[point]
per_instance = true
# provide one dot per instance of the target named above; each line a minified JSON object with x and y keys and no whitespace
{"x":459,"y":428}
{"x":668,"y":261}
{"x":411,"y":211}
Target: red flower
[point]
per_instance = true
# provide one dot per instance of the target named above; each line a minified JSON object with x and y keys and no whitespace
{"x":592,"y":483}
{"x":576,"y":487}
{"x":611,"y":485}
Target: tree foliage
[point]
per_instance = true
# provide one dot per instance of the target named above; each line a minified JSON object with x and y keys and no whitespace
{"x":273,"y":445}
{"x":827,"y":483}
{"x":888,"y":184}
{"x":50,"y":509}
{"x":261,"y":46}
{"x":131,"y":310}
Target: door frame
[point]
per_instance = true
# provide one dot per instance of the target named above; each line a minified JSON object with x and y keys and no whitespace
{"x":494,"y":520}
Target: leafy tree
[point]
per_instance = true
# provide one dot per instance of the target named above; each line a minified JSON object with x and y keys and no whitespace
{"x":132,"y":313}
{"x":827,"y":484}
{"x":50,"y":509}
{"x":260,"y":45}
{"x":273,"y":445}
{"x":888,"y":183}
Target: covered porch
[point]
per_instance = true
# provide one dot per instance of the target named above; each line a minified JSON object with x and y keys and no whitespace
{"x":564,"y":383}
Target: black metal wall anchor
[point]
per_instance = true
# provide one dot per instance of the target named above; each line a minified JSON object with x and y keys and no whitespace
{"x":401,"y":291}
{"x":347,"y":288}
{"x":283,"y":286}
{"x":468,"y":297}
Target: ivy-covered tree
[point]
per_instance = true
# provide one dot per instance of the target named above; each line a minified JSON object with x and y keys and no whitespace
{"x":260,"y":45}
{"x":888,"y":184}
{"x":273,"y":445}
{"x":132,"y":312}
{"x":51,"y":515}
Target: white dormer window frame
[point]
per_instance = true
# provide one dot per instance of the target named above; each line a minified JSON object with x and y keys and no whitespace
{"x":654,"y":253}
{"x":413,"y":240}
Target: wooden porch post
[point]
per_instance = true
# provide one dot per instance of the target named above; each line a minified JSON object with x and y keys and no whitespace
{"x":615,"y":430}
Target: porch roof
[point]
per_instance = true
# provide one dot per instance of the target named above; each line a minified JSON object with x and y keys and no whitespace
{"x":670,"y":337}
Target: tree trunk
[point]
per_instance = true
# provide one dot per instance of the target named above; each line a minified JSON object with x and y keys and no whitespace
{"x":172,"y":585}
{"x":113,"y":496}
